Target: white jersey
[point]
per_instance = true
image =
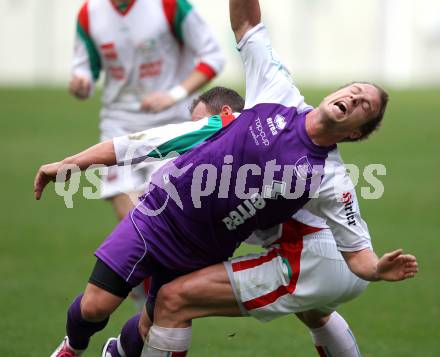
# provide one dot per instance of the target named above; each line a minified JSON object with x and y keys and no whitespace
{"x":150,"y":45}
{"x":336,"y":206}
{"x":267,"y":81}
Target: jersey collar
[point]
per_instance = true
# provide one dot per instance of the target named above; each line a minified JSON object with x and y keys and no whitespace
{"x":122,"y":9}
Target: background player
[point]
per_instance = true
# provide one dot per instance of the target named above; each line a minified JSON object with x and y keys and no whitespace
{"x":154,"y":54}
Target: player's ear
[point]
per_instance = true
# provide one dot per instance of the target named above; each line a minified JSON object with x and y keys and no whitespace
{"x":226,"y":110}
{"x":355,"y":134}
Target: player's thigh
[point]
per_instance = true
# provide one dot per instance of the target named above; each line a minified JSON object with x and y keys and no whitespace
{"x":123,"y":203}
{"x":206,"y":292}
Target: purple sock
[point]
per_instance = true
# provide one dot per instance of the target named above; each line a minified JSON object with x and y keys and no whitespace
{"x":78,"y":329}
{"x":131,"y":340}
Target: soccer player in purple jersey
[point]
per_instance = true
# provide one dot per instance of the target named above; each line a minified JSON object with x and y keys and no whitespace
{"x":195,"y":229}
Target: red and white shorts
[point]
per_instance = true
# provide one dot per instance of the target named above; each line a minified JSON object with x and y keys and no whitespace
{"x":301,"y":271}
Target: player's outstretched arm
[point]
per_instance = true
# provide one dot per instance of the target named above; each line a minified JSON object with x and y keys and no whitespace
{"x":393,"y":266}
{"x":244,"y":15}
{"x":100,"y":154}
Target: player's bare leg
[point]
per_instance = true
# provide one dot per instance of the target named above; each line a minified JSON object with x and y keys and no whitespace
{"x":184,"y":299}
{"x":177,"y":303}
{"x":88,"y":314}
{"x":330,"y":334}
{"x":123,"y":203}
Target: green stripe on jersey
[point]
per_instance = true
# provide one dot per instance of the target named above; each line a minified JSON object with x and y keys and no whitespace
{"x":94,"y":59}
{"x":183,"y":8}
{"x":122,"y":6}
{"x":289,"y":268}
{"x":183,"y":143}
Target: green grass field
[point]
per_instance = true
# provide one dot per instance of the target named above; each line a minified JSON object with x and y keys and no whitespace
{"x":46,"y":249}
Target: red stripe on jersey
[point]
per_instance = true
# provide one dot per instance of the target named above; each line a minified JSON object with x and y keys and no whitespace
{"x":206,"y":69}
{"x":170,"y":9}
{"x":126,"y":10}
{"x":321,"y":351}
{"x":252,"y":263}
{"x":107,"y":46}
{"x":294,"y":230}
{"x":83,"y":17}
{"x":227,"y":119}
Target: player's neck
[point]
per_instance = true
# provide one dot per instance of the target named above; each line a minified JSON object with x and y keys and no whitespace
{"x":121,"y":2}
{"x":319,"y":131}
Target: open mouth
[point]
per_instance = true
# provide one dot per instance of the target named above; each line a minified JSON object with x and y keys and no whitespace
{"x":342,"y":107}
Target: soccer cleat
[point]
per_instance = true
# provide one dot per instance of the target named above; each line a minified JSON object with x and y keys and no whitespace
{"x":110,"y":348}
{"x":64,"y":350}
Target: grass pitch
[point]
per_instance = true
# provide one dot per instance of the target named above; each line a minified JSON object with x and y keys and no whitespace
{"x":46,"y":249}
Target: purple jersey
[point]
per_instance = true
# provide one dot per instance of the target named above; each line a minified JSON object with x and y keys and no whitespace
{"x":245,"y":173}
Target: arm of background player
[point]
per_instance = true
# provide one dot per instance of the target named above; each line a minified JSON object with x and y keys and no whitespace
{"x":244,"y":15}
{"x":393,"y":266}
{"x":191,"y":31}
{"x":131,"y":149}
{"x":86,"y":62}
{"x":100,"y":154}
{"x":157,"y":143}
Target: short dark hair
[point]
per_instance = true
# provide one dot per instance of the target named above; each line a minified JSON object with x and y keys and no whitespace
{"x":217,"y":97}
{"x":374,"y":123}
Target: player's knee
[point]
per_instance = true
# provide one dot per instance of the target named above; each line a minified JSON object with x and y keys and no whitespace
{"x":313,"y":319}
{"x":169,"y":301}
{"x":94,"y":310}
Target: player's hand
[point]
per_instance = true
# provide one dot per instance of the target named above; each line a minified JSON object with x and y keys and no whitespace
{"x":397,"y":266}
{"x":79,"y":87}
{"x":45,"y":174}
{"x":157,"y":101}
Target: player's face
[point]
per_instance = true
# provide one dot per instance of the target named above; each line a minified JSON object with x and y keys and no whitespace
{"x":352,"y":106}
{"x":200,"y":111}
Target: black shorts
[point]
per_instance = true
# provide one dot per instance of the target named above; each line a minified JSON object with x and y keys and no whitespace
{"x":105,"y":278}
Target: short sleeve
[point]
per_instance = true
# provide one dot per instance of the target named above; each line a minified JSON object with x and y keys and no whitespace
{"x":337,"y":203}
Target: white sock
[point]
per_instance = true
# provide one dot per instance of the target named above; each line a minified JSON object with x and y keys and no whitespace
{"x":162,"y":340}
{"x":335,"y":338}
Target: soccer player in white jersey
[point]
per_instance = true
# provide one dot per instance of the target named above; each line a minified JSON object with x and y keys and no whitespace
{"x":340,"y":116}
{"x":154,"y":54}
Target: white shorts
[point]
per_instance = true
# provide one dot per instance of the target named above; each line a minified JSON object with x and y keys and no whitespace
{"x":120,"y":180}
{"x":297,"y":273}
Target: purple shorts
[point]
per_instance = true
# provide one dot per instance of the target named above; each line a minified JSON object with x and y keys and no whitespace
{"x":125,"y":252}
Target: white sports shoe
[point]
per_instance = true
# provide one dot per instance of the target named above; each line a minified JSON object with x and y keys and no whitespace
{"x":64,"y":350}
{"x":111,"y":344}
